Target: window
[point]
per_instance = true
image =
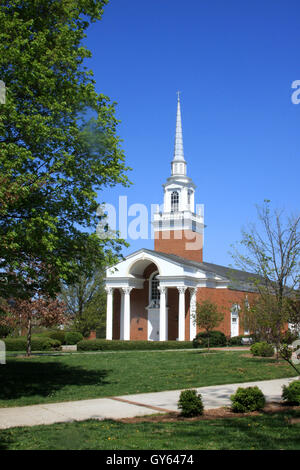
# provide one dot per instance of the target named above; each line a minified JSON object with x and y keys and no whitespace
{"x":174,"y":201}
{"x":154,"y":292}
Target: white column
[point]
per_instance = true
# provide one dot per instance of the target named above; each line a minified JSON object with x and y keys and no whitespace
{"x":181,"y":314}
{"x":163,"y":315}
{"x":122,"y":315}
{"x":126,"y":330}
{"x":193,"y":329}
{"x":109,"y":313}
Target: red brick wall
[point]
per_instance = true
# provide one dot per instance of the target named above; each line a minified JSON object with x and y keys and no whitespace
{"x":139,"y":299}
{"x":225,"y":298}
{"x":176,"y":242}
{"x":172,"y":303}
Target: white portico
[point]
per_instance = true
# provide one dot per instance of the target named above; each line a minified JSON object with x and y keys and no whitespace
{"x":156,"y":296}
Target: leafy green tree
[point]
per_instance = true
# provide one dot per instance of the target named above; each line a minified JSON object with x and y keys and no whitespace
{"x":208,"y":317}
{"x":53,"y":158}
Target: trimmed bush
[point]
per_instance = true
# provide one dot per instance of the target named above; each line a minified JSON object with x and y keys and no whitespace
{"x":15,"y":344}
{"x":37,"y":344}
{"x":236,"y":340}
{"x":262,"y":349}
{"x":58,"y":335}
{"x":247,"y":399}
{"x":52,"y":343}
{"x":73,"y":337}
{"x":216,"y":339}
{"x":119,"y":345}
{"x":190,"y":403}
{"x":291,"y":393}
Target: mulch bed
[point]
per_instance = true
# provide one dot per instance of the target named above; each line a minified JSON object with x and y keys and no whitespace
{"x":217,"y":413}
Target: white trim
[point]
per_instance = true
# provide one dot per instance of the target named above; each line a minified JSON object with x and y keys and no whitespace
{"x":234,"y":313}
{"x":181,"y":313}
{"x":150,"y":285}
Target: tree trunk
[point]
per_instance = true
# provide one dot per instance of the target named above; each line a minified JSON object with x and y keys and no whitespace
{"x":28,"y":353}
{"x":208,"y":343}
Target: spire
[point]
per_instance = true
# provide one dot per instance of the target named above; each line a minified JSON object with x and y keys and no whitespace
{"x":178,"y":149}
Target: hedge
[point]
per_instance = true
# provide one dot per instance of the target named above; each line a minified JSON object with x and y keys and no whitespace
{"x":236,"y":340}
{"x":73,"y":337}
{"x":216,"y":339}
{"x":119,"y":345}
{"x":37,"y":344}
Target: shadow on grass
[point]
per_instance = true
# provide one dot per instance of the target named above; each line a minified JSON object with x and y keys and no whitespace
{"x":4,"y":445}
{"x":25,"y":379}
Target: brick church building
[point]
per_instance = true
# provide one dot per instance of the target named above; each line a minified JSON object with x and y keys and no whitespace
{"x":152,"y":294}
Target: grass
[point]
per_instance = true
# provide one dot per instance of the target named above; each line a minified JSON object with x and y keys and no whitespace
{"x":48,"y":379}
{"x":262,"y":432}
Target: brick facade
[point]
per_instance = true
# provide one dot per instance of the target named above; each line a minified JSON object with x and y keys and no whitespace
{"x":180,"y":242}
{"x":139,"y":300}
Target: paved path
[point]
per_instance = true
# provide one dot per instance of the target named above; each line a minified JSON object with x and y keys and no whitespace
{"x":128,"y":406}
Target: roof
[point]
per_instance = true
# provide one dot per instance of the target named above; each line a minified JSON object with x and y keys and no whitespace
{"x":238,"y":280}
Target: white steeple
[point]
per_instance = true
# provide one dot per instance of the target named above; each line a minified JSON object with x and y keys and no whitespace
{"x":178,"y":212}
{"x":178,"y":164}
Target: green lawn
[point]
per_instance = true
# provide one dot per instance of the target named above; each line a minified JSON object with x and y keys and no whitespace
{"x":272,"y":432}
{"x":46,"y":379}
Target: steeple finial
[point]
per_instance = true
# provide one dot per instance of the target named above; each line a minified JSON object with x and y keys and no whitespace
{"x":178,"y":149}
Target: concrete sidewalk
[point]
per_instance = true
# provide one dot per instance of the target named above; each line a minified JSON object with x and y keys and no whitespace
{"x":129,"y":406}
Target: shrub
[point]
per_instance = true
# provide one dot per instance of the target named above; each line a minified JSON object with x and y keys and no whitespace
{"x":247,"y":399}
{"x":262,"y":349}
{"x":291,"y":393}
{"x":190,"y":403}
{"x":37,"y":344}
{"x":120,"y":345}
{"x":236,"y":340}
{"x":73,"y":337}
{"x":15,"y":344}
{"x":58,"y":335}
{"x":216,"y":339}
{"x":51,"y":343}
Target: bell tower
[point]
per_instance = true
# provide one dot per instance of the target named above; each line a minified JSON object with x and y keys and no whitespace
{"x":178,"y":229}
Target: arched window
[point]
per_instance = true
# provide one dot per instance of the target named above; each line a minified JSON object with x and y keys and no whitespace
{"x":174,"y":201}
{"x":154,"y":293}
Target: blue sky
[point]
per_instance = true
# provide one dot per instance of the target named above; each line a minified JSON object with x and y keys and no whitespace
{"x":234,"y":62}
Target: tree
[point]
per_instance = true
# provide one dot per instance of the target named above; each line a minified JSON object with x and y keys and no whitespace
{"x":272,"y":253}
{"x":33,"y":312}
{"x":86,"y":301}
{"x":58,"y":146}
{"x":208,"y":317}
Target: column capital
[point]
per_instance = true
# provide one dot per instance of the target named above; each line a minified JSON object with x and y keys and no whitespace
{"x":193,"y":290}
{"x":127,"y":289}
{"x":182,"y":289}
{"x":162,"y":289}
{"x":109,"y":289}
